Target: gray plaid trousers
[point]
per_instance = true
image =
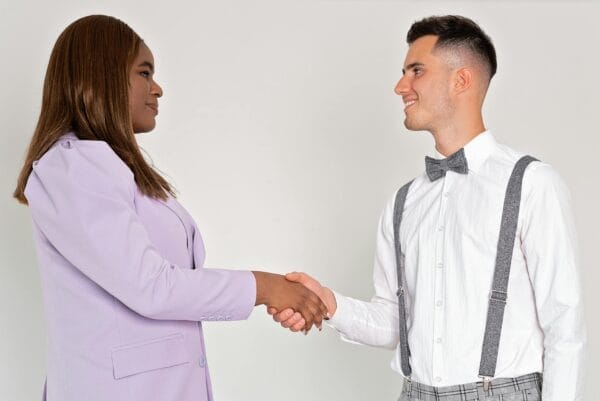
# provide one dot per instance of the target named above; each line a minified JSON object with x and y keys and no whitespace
{"x":522,"y":388}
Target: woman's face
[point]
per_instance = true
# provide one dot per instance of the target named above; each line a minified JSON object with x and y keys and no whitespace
{"x":143,"y":92}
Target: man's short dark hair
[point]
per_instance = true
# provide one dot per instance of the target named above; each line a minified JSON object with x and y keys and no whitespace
{"x":456,"y":31}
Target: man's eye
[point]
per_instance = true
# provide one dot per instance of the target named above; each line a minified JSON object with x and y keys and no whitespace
{"x":417,"y":71}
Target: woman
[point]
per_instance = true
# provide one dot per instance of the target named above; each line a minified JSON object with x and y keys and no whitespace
{"x":120,"y":259}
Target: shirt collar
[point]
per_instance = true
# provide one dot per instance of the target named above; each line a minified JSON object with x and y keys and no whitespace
{"x":476,"y":151}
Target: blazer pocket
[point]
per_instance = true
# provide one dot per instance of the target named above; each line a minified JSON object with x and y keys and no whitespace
{"x":144,"y":356}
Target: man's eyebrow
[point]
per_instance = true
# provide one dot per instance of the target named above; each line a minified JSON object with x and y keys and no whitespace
{"x":411,"y":66}
{"x":147,"y":64}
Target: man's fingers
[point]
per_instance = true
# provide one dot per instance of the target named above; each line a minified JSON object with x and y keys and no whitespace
{"x":293,"y":276}
{"x":298,"y":326}
{"x":283,"y":315}
{"x":295,"y":318}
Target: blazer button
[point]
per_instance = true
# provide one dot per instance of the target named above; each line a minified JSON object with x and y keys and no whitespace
{"x":202,"y":361}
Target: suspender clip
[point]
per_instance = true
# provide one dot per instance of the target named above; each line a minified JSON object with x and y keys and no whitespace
{"x":400,"y":291}
{"x":500,"y":296}
{"x":487,"y":382}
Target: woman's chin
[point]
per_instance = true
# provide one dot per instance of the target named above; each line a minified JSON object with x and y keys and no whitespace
{"x":144,"y":128}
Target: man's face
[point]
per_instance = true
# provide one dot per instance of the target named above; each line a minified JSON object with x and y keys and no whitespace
{"x":425,"y":87}
{"x":143,"y":92}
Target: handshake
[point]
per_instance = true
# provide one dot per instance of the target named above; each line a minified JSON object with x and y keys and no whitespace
{"x":297,"y":301}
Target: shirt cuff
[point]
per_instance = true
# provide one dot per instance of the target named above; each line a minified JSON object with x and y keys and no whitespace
{"x":343,"y":317}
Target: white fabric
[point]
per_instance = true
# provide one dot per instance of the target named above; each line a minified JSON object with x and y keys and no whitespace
{"x":449,"y":235}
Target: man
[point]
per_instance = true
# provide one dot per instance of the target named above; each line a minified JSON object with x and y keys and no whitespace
{"x":451,"y":234}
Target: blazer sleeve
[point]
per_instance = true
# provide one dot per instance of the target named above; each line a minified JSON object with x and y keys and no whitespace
{"x":81,"y":197}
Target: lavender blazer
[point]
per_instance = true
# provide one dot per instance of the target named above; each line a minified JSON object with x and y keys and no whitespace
{"x":124,"y":288}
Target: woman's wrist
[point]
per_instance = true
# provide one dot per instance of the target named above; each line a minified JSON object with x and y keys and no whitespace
{"x":264,"y":281}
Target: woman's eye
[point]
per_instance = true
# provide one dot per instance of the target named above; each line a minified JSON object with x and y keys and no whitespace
{"x":145,"y":74}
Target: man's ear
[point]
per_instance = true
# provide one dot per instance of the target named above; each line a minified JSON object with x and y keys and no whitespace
{"x":463,"y":79}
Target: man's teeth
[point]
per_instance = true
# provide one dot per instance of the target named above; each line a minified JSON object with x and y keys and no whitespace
{"x":409,"y":103}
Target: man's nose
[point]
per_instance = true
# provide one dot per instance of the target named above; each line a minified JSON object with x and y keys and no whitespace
{"x":402,"y":87}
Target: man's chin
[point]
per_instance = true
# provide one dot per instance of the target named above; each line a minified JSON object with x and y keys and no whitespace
{"x":411,"y":126}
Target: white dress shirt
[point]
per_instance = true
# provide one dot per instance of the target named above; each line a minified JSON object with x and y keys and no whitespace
{"x":449,"y":235}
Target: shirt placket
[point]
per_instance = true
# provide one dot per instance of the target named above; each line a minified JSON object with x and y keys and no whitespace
{"x":439,"y":315}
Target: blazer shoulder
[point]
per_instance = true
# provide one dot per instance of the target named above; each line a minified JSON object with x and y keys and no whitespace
{"x":85,"y":164}
{"x":82,"y":155}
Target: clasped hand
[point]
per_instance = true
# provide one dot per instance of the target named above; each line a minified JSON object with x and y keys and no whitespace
{"x":295,"y":320}
{"x":280,"y":294}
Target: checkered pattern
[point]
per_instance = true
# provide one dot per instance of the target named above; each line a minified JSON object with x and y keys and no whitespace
{"x":522,"y":388}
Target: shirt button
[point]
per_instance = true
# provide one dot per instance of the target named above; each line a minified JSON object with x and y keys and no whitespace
{"x":438,"y":340}
{"x":438,"y":379}
{"x":446,"y":194}
{"x":438,"y":303}
{"x":441,"y":228}
{"x":66,"y":144}
{"x":202,"y":362}
{"x":440,"y":265}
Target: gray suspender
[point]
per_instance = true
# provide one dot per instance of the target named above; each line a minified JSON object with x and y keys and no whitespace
{"x":498,"y":295}
{"x":398,"y":209}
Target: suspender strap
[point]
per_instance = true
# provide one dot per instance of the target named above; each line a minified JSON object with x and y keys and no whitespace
{"x":404,"y":350}
{"x":498,"y":295}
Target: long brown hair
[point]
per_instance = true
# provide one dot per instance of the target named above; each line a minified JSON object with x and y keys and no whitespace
{"x":86,"y":91}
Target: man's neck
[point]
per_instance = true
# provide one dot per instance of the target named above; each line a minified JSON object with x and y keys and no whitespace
{"x":452,"y":138}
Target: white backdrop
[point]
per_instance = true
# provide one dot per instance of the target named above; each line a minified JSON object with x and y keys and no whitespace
{"x":281,"y":131}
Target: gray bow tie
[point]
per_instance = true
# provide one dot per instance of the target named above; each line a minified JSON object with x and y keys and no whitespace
{"x":436,"y":168}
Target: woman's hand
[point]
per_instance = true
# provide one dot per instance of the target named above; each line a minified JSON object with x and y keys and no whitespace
{"x":274,"y":291}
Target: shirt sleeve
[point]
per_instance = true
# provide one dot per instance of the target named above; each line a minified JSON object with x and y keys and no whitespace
{"x":81,"y":198}
{"x":373,"y":323}
{"x":549,"y":243}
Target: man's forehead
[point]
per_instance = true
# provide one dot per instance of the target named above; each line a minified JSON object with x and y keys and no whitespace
{"x":420,"y":50}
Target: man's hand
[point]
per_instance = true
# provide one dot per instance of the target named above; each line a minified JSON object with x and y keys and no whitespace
{"x":278,"y":293}
{"x":294,"y":320}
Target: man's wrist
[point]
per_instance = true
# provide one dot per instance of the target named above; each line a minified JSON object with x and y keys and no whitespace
{"x":330,"y":302}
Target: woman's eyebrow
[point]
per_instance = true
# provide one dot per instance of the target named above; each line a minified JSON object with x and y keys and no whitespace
{"x":147,"y":64}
